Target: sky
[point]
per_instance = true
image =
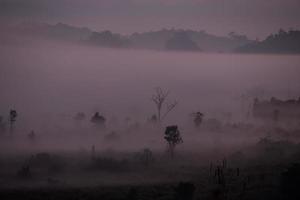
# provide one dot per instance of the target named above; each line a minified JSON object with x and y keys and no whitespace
{"x":256,"y":18}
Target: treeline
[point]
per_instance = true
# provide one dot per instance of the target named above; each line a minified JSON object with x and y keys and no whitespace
{"x":165,"y":39}
{"x":282,"y":42}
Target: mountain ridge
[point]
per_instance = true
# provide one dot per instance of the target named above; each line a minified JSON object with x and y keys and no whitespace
{"x":164,"y":39}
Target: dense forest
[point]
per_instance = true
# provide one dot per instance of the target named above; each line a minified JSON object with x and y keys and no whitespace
{"x":281,"y":42}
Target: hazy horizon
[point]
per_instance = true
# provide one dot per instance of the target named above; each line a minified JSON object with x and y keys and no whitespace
{"x":256,"y":19}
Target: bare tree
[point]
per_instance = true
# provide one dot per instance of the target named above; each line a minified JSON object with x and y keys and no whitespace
{"x":159,"y":98}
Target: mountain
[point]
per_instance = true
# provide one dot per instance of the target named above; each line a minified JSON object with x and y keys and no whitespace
{"x":281,"y":42}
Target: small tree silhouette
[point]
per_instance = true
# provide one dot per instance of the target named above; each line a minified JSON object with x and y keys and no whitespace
{"x":147,"y":157}
{"x":159,"y":98}
{"x":12,"y":119}
{"x":172,"y":136}
{"x":98,"y":119}
{"x":198,"y":117}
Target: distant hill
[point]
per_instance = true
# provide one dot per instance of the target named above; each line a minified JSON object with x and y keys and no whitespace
{"x":180,"y":41}
{"x":282,"y":42}
{"x":165,"y":39}
{"x":206,"y":42}
{"x":155,"y":40}
{"x":58,"y":31}
{"x":108,"y":39}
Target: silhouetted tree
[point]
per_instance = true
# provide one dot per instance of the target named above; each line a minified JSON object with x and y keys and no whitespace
{"x":12,"y":119}
{"x":147,"y":157}
{"x":198,"y":117}
{"x":181,"y":41}
{"x":281,"y":42}
{"x":107,"y":39}
{"x":159,"y":99}
{"x":98,"y":119}
{"x":172,"y":136}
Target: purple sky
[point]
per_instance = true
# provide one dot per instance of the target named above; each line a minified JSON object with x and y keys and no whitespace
{"x":256,"y":18}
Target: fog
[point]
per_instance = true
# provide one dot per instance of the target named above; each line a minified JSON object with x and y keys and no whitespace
{"x":48,"y":150}
{"x":149,"y":99}
{"x":48,"y":83}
